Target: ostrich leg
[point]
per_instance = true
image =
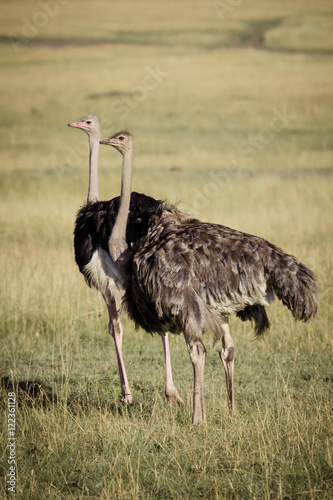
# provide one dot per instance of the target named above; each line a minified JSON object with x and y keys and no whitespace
{"x":197,"y":354}
{"x":116,"y":330}
{"x":227,"y":356}
{"x":170,"y":389}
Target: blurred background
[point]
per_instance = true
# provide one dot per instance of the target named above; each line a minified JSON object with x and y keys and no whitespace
{"x":197,"y":82}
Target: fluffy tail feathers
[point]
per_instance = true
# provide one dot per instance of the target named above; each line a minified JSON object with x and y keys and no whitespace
{"x":295,"y":285}
{"x":292,"y":283}
{"x":258,"y":315}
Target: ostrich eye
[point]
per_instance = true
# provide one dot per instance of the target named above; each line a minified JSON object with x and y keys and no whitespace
{"x":121,"y":138}
{"x":88,"y":122}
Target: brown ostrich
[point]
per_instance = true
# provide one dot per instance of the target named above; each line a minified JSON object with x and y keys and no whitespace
{"x":188,"y":276}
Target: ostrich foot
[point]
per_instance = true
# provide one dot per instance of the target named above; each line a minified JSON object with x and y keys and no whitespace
{"x":126,"y":399}
{"x":173,"y":397}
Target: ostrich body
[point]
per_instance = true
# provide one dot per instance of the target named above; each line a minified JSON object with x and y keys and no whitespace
{"x":190,"y":276}
{"x":94,"y":225}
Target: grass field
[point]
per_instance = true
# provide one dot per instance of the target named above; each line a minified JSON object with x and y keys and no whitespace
{"x":230,"y":104}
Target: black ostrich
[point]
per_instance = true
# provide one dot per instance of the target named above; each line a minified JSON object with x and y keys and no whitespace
{"x":95,"y":222}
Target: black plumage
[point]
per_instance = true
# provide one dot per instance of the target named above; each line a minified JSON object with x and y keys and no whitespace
{"x":95,"y":221}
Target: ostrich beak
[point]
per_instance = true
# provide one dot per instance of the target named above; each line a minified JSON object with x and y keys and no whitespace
{"x":75,"y":124}
{"x":108,"y":142}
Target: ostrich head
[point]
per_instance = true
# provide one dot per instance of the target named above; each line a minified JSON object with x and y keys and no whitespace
{"x":90,"y":124}
{"x":122,"y":141}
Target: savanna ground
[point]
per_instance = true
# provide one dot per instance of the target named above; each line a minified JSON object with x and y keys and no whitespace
{"x":231,"y":107}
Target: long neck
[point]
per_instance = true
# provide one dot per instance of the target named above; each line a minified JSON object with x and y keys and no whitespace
{"x":93,"y":169}
{"x":117,"y":242}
